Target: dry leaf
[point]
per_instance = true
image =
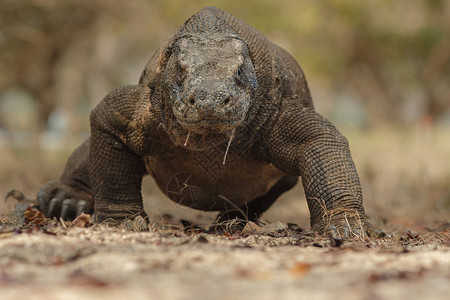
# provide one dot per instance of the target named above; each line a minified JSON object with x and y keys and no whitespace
{"x":251,"y":227}
{"x":82,"y":279}
{"x":82,"y":220}
{"x":300,"y":269}
{"x":6,"y":234}
{"x":34,"y":216}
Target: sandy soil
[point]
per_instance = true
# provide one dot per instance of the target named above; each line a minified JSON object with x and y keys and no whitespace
{"x":48,"y":260}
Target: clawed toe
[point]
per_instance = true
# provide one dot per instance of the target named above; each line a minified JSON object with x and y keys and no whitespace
{"x":129,"y":221}
{"x":139,"y":223}
{"x":58,"y":200}
{"x":349,"y":229}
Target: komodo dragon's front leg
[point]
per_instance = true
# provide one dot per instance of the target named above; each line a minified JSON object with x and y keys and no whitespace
{"x":305,"y":144}
{"x":116,"y":166}
{"x":104,"y":174}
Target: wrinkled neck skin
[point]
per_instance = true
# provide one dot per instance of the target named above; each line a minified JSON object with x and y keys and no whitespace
{"x":207,"y":87}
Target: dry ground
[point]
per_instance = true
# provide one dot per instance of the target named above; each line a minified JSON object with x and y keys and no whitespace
{"x":406,"y":183}
{"x":272,"y":262}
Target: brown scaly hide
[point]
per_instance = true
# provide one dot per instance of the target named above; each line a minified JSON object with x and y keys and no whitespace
{"x":134,"y":132}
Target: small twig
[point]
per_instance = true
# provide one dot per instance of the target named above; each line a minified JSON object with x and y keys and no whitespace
{"x":187,"y":138}
{"x":348,"y":223}
{"x":360,"y":225}
{"x":228,"y":146}
{"x":235,"y":206}
{"x":63,"y":223}
{"x":325,"y":216}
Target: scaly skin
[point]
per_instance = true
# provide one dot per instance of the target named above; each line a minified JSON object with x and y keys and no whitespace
{"x":223,"y":116}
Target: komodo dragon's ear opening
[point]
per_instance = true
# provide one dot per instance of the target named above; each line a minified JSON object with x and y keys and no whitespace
{"x":156,"y":64}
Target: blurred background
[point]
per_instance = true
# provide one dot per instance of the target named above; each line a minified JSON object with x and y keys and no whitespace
{"x":378,"y":69}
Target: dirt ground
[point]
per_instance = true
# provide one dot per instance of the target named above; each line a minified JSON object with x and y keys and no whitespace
{"x":406,"y":185}
{"x":47,"y":260}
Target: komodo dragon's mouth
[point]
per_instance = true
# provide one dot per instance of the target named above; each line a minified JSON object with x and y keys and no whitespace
{"x":231,"y":135}
{"x":198,"y":141}
{"x":206,"y":126}
{"x":210,"y":126}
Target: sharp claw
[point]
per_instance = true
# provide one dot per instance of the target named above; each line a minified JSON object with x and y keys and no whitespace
{"x":42,"y":203}
{"x":81,"y":206}
{"x":66,"y":208}
{"x":333,"y":231}
{"x":10,"y":193}
{"x":379,"y":233}
{"x":52,"y":208}
{"x":19,"y":196}
{"x":346,"y":231}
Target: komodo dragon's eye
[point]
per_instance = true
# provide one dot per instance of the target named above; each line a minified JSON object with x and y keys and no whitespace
{"x":238,"y":77}
{"x":181,"y":75}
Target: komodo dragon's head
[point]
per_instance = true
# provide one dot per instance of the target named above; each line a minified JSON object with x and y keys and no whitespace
{"x":208,"y":82}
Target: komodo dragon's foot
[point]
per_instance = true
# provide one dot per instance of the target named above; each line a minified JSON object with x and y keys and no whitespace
{"x":347,"y":226}
{"x":139,"y":223}
{"x":136,"y":220}
{"x":59,"y":200}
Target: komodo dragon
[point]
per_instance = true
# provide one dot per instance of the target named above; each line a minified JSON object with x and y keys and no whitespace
{"x":224,"y":121}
